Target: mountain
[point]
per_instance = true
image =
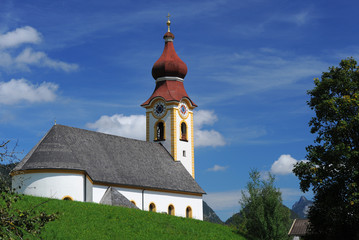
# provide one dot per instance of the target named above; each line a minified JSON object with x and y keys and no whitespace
{"x":236,"y":219}
{"x":209,"y":215}
{"x":302,"y":206}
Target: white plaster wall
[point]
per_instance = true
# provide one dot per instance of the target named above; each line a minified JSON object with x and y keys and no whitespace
{"x":97,"y":192}
{"x":132,"y":195}
{"x":167,"y":119}
{"x":179,"y":145}
{"x":161,"y":199}
{"x":51,"y":185}
{"x":179,"y":201}
{"x":183,"y":145}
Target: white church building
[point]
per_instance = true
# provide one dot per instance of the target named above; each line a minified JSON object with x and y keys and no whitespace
{"x":153,"y":175}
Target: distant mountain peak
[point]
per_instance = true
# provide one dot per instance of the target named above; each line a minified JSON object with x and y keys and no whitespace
{"x":302,"y":207}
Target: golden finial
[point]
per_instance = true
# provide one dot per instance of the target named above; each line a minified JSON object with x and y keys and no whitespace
{"x":55,"y":121}
{"x":168,"y":22}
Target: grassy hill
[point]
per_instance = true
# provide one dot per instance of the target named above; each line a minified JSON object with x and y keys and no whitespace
{"x":77,"y":220}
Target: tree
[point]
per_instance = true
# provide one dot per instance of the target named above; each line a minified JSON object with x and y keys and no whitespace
{"x":264,"y":216}
{"x":15,"y":223}
{"x":332,"y":170}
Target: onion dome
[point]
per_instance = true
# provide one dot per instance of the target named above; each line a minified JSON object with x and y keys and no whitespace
{"x":169,"y":64}
{"x":169,"y":72}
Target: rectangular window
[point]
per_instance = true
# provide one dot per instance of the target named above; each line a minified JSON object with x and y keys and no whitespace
{"x":184,"y":153}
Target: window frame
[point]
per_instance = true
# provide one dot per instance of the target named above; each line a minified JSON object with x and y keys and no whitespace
{"x":184,"y":131}
{"x":189,"y":212}
{"x":156,"y":130}
{"x":171,"y":211}
{"x":67,"y":198}
{"x":152,"y":209}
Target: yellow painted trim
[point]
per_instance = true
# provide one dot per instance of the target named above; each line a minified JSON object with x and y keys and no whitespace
{"x":190,"y":212}
{"x":153,"y":205}
{"x":188,"y":102}
{"x":173,"y":134}
{"x":80,"y":172}
{"x":192,"y":143}
{"x":147,"y":189}
{"x":179,"y":111}
{"x":67,"y":196}
{"x":169,"y":103}
{"x":173,"y":210}
{"x":183,"y":121}
{"x":104,"y":184}
{"x":155,"y":130}
{"x":163,"y":115}
{"x":153,"y":101}
{"x":147,"y":126}
{"x":134,"y":203}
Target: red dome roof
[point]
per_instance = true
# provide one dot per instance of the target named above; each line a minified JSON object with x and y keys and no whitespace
{"x":169,"y":64}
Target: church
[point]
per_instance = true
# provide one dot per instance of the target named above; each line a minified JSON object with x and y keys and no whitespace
{"x":154,"y":175}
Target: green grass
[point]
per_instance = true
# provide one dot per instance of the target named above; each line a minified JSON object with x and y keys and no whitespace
{"x":77,"y":220}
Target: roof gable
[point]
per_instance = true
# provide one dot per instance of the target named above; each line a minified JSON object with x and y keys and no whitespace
{"x":115,"y":198}
{"x":109,"y":159}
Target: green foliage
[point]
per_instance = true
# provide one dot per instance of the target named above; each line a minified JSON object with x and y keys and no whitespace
{"x":333,"y":168}
{"x":15,"y":223}
{"x":78,"y":220}
{"x":264,"y":216}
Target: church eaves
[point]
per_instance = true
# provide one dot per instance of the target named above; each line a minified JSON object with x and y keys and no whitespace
{"x":109,"y":160}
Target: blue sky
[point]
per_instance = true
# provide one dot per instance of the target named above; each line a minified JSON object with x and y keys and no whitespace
{"x":88,"y":64}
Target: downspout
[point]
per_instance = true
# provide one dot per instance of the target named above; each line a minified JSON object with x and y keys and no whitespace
{"x":143,"y":199}
{"x":85,"y":188}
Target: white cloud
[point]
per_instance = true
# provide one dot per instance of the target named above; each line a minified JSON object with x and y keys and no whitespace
{"x":284,"y":165}
{"x":19,"y":36}
{"x":30,"y":57}
{"x":27,"y":57}
{"x":217,"y":168}
{"x":17,"y":90}
{"x":202,"y":137}
{"x":133,"y":126}
{"x":204,"y":117}
{"x":223,"y":200}
{"x":253,"y":71}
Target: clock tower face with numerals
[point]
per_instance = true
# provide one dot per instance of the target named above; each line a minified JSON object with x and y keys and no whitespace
{"x":159,"y":109}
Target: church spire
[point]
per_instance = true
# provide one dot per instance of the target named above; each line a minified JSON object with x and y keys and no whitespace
{"x":169,"y":110}
{"x":169,"y":66}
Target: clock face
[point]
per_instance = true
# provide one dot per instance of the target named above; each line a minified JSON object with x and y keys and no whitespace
{"x":183,"y":109}
{"x":159,"y":109}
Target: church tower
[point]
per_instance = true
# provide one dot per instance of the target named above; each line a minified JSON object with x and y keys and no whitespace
{"x":169,"y":110}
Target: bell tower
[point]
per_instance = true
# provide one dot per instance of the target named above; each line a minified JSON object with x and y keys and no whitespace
{"x":169,"y":110}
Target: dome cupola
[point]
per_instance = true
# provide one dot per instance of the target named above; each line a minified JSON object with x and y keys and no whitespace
{"x":169,"y":66}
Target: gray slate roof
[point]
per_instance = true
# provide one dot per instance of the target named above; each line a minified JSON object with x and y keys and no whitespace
{"x":115,"y":198}
{"x":110,"y":159}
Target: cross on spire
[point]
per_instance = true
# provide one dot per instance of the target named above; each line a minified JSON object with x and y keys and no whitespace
{"x":168,"y":22}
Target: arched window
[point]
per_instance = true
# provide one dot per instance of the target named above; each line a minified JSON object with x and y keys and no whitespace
{"x":183,"y":131}
{"x":68,"y":198}
{"x":188,"y":212}
{"x":171,"y":210}
{"x":160,"y":131}
{"x":133,"y":202}
{"x":152,"y":207}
